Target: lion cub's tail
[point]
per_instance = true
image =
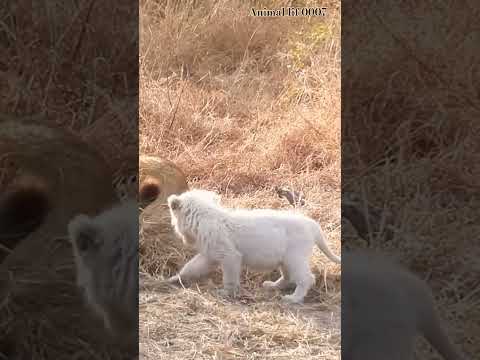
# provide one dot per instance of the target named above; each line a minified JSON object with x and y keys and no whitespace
{"x":432,"y":329}
{"x":320,"y":240}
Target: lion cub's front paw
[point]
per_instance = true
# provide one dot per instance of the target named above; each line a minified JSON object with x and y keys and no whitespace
{"x":228,"y":292}
{"x":291,"y":299}
{"x":173,"y":279}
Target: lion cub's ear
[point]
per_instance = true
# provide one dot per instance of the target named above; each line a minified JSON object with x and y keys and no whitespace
{"x":174,"y":202}
{"x":149,"y":190}
{"x":23,"y":208}
{"x":84,"y":233}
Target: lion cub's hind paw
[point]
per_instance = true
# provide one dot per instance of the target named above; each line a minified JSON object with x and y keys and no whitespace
{"x":269,"y":285}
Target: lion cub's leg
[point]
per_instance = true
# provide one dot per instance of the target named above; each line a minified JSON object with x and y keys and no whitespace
{"x":198,"y":267}
{"x":299,"y":272}
{"x":231,"y":271}
{"x":282,"y":283}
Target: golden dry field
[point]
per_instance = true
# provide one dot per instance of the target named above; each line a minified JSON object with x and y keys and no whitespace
{"x":410,"y":147}
{"x":242,"y":104}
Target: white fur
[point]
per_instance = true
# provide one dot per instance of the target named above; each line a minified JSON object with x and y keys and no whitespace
{"x":105,"y":249}
{"x":263,"y":240}
{"x":383,"y":309}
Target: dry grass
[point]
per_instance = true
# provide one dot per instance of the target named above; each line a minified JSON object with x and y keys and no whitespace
{"x":57,"y":69}
{"x":411,"y":144}
{"x":63,"y":65}
{"x":241,"y":104}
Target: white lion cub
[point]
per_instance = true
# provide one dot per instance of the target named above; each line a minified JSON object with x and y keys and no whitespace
{"x":106,"y":255}
{"x":384,"y":307}
{"x":261,"y":239}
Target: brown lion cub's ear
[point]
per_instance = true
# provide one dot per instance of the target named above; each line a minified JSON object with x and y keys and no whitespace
{"x":84,"y":233}
{"x":149,"y":191}
{"x":23,"y":208}
{"x":174,"y":202}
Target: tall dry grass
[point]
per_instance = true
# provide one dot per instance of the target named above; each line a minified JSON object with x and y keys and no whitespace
{"x":216,"y":83}
{"x":66,"y":66}
{"x":242,"y":104}
{"x":63,"y":65}
{"x":410,"y":143}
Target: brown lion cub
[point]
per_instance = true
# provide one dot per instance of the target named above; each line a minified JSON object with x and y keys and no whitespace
{"x":158,"y":179}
